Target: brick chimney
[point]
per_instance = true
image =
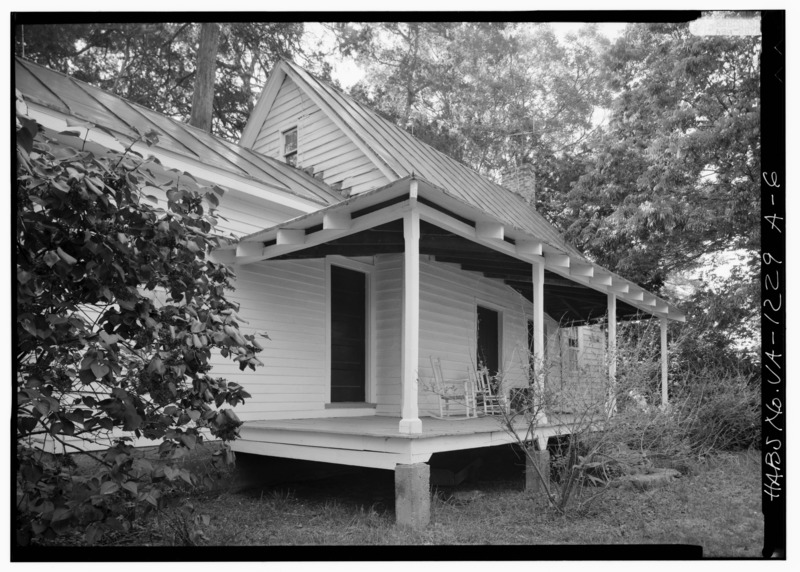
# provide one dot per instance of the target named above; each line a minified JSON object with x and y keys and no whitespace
{"x":522,"y":180}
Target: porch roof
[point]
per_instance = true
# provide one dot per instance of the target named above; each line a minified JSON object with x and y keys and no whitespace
{"x":456,"y":232}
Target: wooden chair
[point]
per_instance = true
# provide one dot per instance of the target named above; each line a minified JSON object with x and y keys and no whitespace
{"x":494,"y":401}
{"x":459,"y":391}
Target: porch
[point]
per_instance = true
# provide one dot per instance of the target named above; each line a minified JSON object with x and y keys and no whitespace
{"x":425,"y":270}
{"x":360,"y":296}
{"x":374,"y":441}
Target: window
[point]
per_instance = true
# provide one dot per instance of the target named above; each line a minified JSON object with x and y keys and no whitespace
{"x":572,"y":349}
{"x":290,"y":146}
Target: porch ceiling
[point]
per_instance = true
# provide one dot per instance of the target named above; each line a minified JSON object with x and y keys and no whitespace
{"x":564,"y":300}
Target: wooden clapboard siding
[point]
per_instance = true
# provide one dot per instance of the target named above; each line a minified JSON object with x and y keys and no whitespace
{"x":321,"y":144}
{"x":286,"y":300}
{"x":245,"y":215}
{"x":388,"y":289}
{"x":449,"y":298}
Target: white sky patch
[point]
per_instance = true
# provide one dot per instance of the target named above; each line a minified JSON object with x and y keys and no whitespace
{"x":611,"y":30}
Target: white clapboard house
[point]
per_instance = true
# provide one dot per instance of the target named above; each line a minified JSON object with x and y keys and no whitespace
{"x":367,"y":256}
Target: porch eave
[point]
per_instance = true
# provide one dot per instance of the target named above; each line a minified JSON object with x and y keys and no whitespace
{"x":371,"y":209}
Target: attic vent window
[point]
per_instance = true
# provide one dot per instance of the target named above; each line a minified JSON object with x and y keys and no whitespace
{"x":290,"y":146}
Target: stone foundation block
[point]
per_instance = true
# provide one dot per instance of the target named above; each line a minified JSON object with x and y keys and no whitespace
{"x":412,"y":497}
{"x":534,"y":459}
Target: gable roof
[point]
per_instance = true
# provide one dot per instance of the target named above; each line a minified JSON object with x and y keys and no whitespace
{"x":399,"y":154}
{"x":73,"y":98}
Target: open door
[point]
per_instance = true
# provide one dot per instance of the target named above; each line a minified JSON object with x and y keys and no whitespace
{"x":489,"y":340}
{"x":348,"y":335}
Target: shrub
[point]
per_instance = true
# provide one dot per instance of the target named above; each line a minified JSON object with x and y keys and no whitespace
{"x":119,"y":308}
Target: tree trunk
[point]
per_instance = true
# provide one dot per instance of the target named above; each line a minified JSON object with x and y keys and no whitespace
{"x":203,"y":97}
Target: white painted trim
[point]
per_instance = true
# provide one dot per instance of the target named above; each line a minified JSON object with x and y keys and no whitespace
{"x":529,"y":247}
{"x":370,"y":387}
{"x":249,"y":249}
{"x":336,"y":221}
{"x":490,"y":230}
{"x":282,"y":131}
{"x":384,"y":215}
{"x":578,"y":269}
{"x":202,"y":172}
{"x":501,"y":324}
{"x":554,"y":259}
{"x":287,"y":236}
{"x":372,"y":332}
{"x":344,"y":262}
{"x":375,"y":459}
{"x":635,"y":293}
{"x":265,"y":102}
{"x":619,"y":286}
{"x":537,"y":308}
{"x":602,"y":279}
{"x":328,"y":337}
{"x":664,"y":363}
{"x":611,"y":332}
{"x":409,"y":364}
{"x":413,"y":189}
{"x":648,"y":299}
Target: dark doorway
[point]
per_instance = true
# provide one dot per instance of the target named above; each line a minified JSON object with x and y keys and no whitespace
{"x":489,"y":339}
{"x":348,"y":334}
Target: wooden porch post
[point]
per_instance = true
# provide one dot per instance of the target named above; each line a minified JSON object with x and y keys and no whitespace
{"x":611,"y":406}
{"x":538,"y":330}
{"x":410,"y":423}
{"x":664,"y":392}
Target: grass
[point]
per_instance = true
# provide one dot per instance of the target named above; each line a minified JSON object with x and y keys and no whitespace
{"x":717,"y":507}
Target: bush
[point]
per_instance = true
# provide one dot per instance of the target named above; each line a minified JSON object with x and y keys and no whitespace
{"x":714,"y":403}
{"x":119,"y":308}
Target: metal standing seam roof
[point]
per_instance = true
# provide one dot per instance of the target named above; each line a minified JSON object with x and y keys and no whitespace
{"x":78,"y":99}
{"x":405,"y":155}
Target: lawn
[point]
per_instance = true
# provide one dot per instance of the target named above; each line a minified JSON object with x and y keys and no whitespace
{"x":716,"y":506}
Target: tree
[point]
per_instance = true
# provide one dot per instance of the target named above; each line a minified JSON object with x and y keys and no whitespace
{"x":675,"y":174}
{"x":673,"y":180}
{"x":119,"y":310}
{"x":493,"y":95}
{"x":154,"y":64}
{"x":203,"y":96}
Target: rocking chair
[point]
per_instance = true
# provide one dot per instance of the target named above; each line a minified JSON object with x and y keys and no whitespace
{"x":459,"y":391}
{"x":494,"y":400}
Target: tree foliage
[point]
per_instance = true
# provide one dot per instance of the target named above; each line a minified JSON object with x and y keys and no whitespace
{"x":119,"y":309}
{"x":671,"y":184}
{"x":675,"y":174}
{"x":154,"y":64}
{"x":493,"y":95}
